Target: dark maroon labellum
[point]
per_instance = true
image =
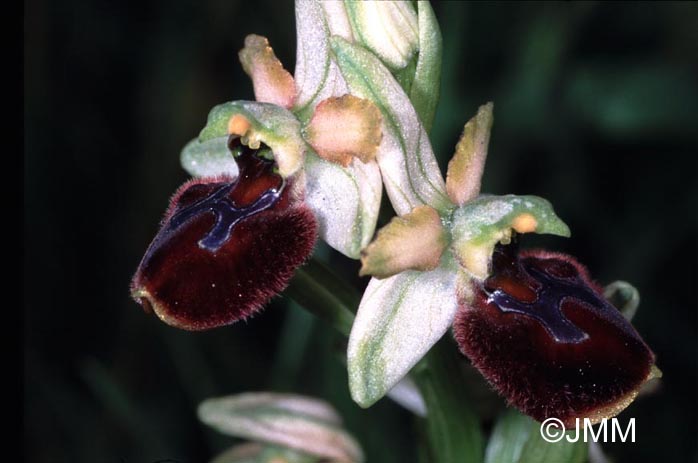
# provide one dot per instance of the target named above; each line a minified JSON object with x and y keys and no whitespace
{"x":543,"y":335}
{"x":225,"y":246}
{"x":227,"y":214}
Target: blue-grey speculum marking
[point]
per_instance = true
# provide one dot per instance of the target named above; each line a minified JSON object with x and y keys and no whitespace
{"x":547,"y":308}
{"x":227,"y":214}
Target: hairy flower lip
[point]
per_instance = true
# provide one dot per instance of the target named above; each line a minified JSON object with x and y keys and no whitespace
{"x":596,"y":377}
{"x":221,"y":252}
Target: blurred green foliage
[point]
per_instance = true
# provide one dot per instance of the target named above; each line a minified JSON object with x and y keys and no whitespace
{"x":595,"y":109}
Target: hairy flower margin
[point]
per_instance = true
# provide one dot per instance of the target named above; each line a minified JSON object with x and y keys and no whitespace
{"x":313,"y":153}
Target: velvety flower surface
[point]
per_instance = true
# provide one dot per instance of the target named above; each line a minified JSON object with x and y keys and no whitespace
{"x":225,"y":246}
{"x":233,"y":236}
{"x":546,"y":339}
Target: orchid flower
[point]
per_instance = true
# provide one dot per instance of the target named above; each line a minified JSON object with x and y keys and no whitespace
{"x":269,"y":175}
{"x":534,"y":323}
{"x":310,"y":157}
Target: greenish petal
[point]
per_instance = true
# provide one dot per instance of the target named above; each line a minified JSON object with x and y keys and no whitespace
{"x":478,"y":225}
{"x":258,"y":123}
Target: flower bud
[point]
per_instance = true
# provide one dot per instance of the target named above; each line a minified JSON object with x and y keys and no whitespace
{"x":543,"y":335}
{"x":390,"y":29}
{"x":225,"y":246}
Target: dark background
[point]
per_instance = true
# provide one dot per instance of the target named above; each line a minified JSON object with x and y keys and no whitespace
{"x":596,"y":106}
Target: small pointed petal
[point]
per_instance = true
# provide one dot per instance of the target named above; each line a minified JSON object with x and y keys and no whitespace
{"x":343,"y":128}
{"x":414,"y":241}
{"x":388,"y":28}
{"x":345,"y":200}
{"x":225,"y":247}
{"x":272,"y":83}
{"x":399,"y":319}
{"x":256,"y":124}
{"x":468,"y":163}
{"x":544,"y":336}
{"x":301,"y":423}
{"x":211,"y":158}
{"x":482,"y":223}
{"x":410,"y":173}
{"x":317,"y":75}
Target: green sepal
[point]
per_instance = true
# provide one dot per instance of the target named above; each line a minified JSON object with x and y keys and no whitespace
{"x":272,"y":125}
{"x":477,"y":226}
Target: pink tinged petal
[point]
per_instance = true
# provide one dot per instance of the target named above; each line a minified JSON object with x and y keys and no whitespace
{"x":410,"y":172}
{"x":345,"y":127}
{"x":468,"y":163}
{"x":272,"y":83}
{"x":414,"y":241}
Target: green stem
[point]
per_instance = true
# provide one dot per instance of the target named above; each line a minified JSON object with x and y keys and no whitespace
{"x":452,"y":427}
{"x":317,"y":289}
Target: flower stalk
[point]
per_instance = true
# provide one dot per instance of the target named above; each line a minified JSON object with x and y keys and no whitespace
{"x":452,"y":429}
{"x":318,"y":290}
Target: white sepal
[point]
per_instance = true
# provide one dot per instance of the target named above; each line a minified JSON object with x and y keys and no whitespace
{"x":399,"y":319}
{"x":345,"y":201}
